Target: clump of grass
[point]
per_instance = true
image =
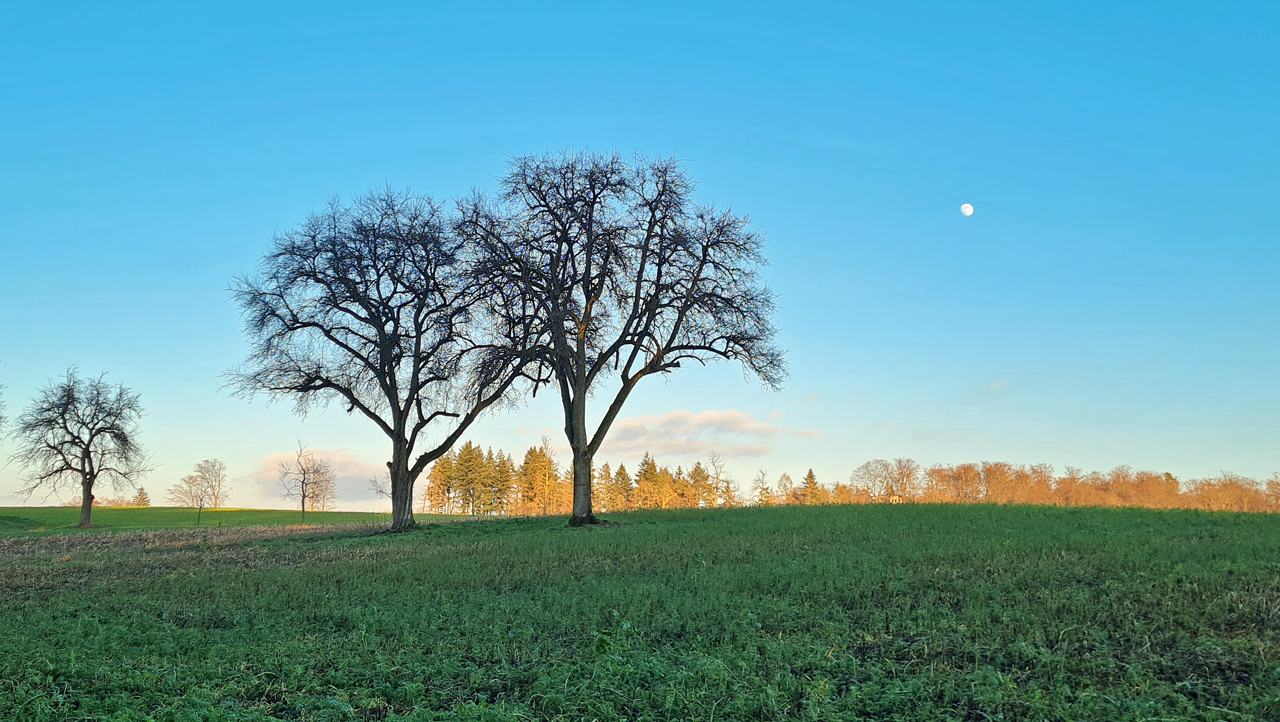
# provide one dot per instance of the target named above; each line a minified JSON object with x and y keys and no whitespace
{"x":876,"y":612}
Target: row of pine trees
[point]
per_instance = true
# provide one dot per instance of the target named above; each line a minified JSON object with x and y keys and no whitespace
{"x":470,"y":480}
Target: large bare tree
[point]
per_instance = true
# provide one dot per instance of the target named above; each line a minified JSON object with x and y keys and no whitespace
{"x":80,"y":431}
{"x":369,"y":304}
{"x":626,"y":277}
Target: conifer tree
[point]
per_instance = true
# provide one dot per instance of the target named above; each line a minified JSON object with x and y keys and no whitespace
{"x":141,"y":498}
{"x":468,"y":478}
{"x":702,"y":491}
{"x":648,"y":484}
{"x":621,"y":490}
{"x":538,"y":479}
{"x":503,"y":476}
{"x":810,"y":492}
{"x":440,"y":484}
{"x":600,"y":488}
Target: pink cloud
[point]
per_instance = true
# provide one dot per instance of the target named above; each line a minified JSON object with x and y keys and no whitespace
{"x":730,"y":433}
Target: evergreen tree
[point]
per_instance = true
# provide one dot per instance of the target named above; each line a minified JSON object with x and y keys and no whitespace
{"x":668,"y":487}
{"x":703,"y":489}
{"x":620,"y":489}
{"x":810,"y":492}
{"x":600,"y":489}
{"x":469,"y":478}
{"x":440,"y":495}
{"x":141,"y":498}
{"x":538,"y":480}
{"x":648,"y":484}
{"x":504,"y":480}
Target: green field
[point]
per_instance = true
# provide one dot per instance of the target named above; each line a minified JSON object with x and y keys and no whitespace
{"x":826,"y":613}
{"x":21,"y":519}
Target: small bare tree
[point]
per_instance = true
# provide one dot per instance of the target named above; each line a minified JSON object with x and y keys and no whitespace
{"x":80,"y":431}
{"x":380,"y":485}
{"x":213,"y":472}
{"x":726,"y":493}
{"x":623,"y":278}
{"x":370,"y":305}
{"x":205,"y":488}
{"x":761,"y":494}
{"x":305,"y":479}
{"x":325,"y":497}
{"x":191,"y":492}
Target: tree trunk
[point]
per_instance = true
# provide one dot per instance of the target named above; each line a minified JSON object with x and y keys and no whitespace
{"x":86,"y":502}
{"x":576,"y":428}
{"x":401,"y":505}
{"x":401,"y":492}
{"x":582,"y":489}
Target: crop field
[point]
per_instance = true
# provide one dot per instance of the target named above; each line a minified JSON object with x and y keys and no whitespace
{"x":908,"y":612}
{"x":65,"y":518}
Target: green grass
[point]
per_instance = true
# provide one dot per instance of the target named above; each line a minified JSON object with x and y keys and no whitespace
{"x":832,"y":613}
{"x":19,"y":519}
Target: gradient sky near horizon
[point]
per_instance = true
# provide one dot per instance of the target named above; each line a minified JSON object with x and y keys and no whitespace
{"x":1115,"y":298}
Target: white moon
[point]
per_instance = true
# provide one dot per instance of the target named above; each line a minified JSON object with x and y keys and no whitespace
{"x":966,"y":210}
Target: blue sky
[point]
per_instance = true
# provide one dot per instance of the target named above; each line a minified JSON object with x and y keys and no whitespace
{"x":1114,"y":299}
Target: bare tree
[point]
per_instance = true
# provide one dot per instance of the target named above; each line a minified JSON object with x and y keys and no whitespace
{"x":305,"y":479}
{"x":875,"y":476}
{"x":726,"y":493}
{"x":213,"y":473}
{"x":904,"y":478}
{"x":325,"y":496}
{"x":205,"y":488}
{"x":624,"y":278}
{"x":369,"y":305}
{"x":380,"y":485}
{"x":191,"y":492}
{"x":80,"y":431}
{"x":761,"y":494}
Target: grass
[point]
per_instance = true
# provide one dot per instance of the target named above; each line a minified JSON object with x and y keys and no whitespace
{"x":906,"y":612}
{"x":20,"y":519}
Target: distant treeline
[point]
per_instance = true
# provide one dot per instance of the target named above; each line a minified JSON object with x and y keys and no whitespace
{"x":470,"y":480}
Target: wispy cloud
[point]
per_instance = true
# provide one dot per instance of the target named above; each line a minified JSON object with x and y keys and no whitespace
{"x":998,"y":385}
{"x":731,"y":433}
